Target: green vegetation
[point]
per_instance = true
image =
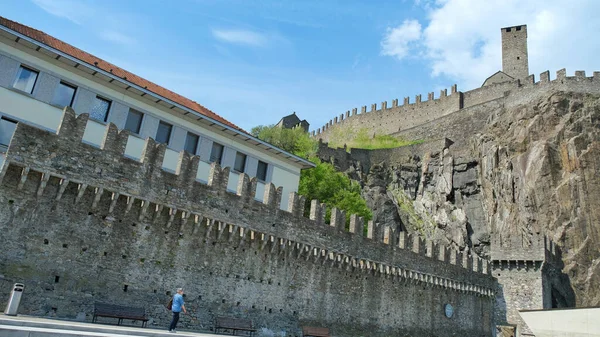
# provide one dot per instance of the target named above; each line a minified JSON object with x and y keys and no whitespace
{"x":323,"y":182}
{"x":362,"y":139}
{"x":294,"y":140}
{"x":335,"y":189}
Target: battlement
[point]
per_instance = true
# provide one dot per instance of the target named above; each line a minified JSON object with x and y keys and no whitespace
{"x":394,"y":107}
{"x":116,"y":183}
{"x":536,"y":248}
{"x":512,"y":29}
{"x":397,"y":118}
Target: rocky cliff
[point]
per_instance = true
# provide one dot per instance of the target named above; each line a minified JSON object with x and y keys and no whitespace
{"x":527,"y":167}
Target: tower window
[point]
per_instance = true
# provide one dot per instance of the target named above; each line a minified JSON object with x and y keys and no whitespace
{"x":508,"y":30}
{"x":518,"y":28}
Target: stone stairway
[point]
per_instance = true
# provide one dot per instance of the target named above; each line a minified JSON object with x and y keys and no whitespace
{"x":27,"y":326}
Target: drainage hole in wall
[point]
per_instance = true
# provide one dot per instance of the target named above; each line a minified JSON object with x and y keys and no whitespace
{"x":253,"y":307}
{"x":222,"y":301}
{"x":214,"y":243}
{"x":105,"y":253}
{"x":124,"y":256}
{"x":238,"y":304}
{"x":154,"y":291}
{"x":84,"y":249}
{"x":90,"y":213}
{"x":166,"y":232}
{"x":270,"y":310}
{"x":168,"y":293}
{"x":65,"y":245}
{"x":11,"y":202}
{"x":45,"y":241}
{"x":133,"y":224}
{"x":125,"y":286}
{"x":280,"y":310}
{"x":54,"y":309}
{"x":56,"y":279}
{"x":147,"y":227}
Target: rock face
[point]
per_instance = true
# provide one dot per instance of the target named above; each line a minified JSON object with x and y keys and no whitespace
{"x":531,"y":167}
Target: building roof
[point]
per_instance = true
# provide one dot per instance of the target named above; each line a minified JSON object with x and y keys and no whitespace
{"x":140,"y":85}
{"x":106,"y":66}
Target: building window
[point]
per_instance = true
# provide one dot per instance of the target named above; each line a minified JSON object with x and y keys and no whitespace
{"x":7,"y":128}
{"x":261,"y":172}
{"x":163,"y":134}
{"x":216,"y":154}
{"x":100,"y":108}
{"x":134,"y":121}
{"x":25,"y":80}
{"x":64,"y":95}
{"x":191,"y":143}
{"x":240,"y":162}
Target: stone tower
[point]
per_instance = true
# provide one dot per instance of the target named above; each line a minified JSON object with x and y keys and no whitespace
{"x":514,"y":51}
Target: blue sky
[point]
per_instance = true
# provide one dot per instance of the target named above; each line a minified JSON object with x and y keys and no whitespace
{"x":254,"y":61}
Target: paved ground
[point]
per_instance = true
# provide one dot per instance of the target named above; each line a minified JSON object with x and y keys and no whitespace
{"x":24,"y":326}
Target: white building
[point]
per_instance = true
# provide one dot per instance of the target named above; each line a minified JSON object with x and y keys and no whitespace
{"x":40,"y":75}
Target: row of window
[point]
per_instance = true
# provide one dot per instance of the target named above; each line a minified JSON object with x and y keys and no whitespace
{"x":65,"y":96}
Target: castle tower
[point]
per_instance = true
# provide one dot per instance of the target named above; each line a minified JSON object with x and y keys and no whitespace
{"x":514,"y":51}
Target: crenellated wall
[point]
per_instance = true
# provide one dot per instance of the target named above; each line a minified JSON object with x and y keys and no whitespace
{"x":128,"y":231}
{"x":520,"y":265}
{"x":423,"y":115}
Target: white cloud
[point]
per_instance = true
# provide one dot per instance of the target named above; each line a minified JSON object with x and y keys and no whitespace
{"x":116,"y":37}
{"x":243,"y":37}
{"x":74,"y":11}
{"x":397,"y":41}
{"x":461,"y":38}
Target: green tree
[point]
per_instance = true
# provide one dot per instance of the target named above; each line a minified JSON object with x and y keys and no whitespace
{"x":323,"y":182}
{"x":293,"y":140}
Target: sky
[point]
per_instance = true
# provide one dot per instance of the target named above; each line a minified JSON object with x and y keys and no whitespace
{"x":255,"y":61}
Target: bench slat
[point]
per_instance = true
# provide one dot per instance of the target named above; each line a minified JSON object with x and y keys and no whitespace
{"x":120,"y":312}
{"x":315,"y":331}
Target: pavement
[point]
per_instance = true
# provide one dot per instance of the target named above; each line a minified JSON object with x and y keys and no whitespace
{"x":29,"y":326}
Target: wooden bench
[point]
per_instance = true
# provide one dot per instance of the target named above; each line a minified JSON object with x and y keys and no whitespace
{"x":119,"y":311}
{"x":234,"y":324}
{"x":315,"y":332}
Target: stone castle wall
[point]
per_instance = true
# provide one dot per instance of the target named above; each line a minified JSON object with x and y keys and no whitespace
{"x":521,"y":267}
{"x":420,"y":119}
{"x":80,"y":224}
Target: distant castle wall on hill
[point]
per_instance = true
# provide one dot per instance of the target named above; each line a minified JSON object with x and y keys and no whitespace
{"x":397,"y":119}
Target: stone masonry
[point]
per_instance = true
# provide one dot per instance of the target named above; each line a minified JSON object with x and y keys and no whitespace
{"x":80,"y":224}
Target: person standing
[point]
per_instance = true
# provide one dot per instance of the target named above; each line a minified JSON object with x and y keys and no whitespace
{"x":177,"y":306}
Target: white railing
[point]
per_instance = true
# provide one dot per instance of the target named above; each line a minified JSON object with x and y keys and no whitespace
{"x":203,"y":171}
{"x":94,"y":133}
{"x":2,"y":156}
{"x":260,"y":191}
{"x":171,"y":160}
{"x":134,"y":148}
{"x":232,"y":183}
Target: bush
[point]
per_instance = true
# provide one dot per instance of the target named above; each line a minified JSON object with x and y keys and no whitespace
{"x":323,"y":182}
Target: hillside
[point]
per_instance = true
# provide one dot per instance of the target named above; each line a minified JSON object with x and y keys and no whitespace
{"x":519,"y":166}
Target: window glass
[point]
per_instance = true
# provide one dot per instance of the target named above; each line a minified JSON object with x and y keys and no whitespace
{"x":261,"y":172}
{"x":134,"y":121}
{"x":216,"y":154}
{"x":64,"y":95}
{"x":99,"y":110}
{"x":163,"y":134}
{"x":240,"y":162}
{"x":25,"y":80}
{"x":7,"y":128}
{"x":191,"y":143}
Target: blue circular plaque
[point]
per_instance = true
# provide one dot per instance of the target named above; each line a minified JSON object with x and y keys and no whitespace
{"x":449,"y":310}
